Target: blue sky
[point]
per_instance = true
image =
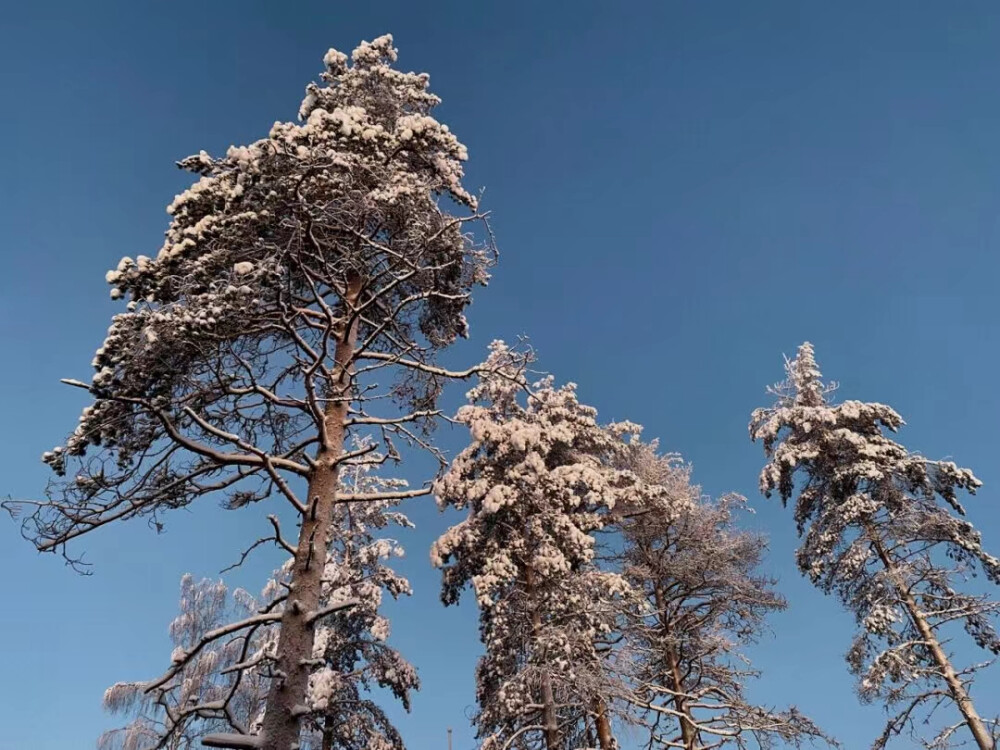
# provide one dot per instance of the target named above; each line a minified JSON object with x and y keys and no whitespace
{"x":682,"y":192}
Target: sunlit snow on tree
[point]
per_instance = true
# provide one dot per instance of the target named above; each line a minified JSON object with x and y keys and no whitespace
{"x":883,"y":529}
{"x":219,"y":676}
{"x":306,"y":284}
{"x":538,"y":482}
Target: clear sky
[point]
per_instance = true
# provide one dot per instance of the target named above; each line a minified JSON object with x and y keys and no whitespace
{"x":682,"y":192}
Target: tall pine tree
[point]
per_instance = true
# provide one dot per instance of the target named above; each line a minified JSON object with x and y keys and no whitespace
{"x":306,"y":285}
{"x":883,"y":529}
{"x":538,"y":482}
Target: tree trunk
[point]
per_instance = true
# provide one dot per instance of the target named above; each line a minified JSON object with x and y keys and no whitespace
{"x":287,"y":695}
{"x":549,"y":719}
{"x":604,"y":736}
{"x":958,"y":692}
{"x":688,"y":728}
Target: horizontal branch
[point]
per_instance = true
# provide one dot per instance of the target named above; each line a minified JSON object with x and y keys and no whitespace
{"x":312,"y":617}
{"x":238,"y":741}
{"x":373,"y":496}
{"x":415,"y":365}
{"x":412,"y":417}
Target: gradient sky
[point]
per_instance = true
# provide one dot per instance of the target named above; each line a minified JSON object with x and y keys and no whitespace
{"x":682,"y":193}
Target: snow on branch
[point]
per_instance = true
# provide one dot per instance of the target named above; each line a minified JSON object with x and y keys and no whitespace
{"x":883,"y":530}
{"x":218,"y":683}
{"x":236,"y":741}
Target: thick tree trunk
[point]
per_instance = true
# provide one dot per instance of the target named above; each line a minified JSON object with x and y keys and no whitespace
{"x":287,"y":696}
{"x":688,"y":730}
{"x":958,"y":692}
{"x":549,"y":718}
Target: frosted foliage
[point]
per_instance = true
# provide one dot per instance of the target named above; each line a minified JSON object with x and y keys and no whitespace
{"x":699,"y":600}
{"x":537,"y":482}
{"x":883,"y":529}
{"x":197,"y":679}
{"x":367,"y":137}
{"x":225,"y":351}
{"x":219,"y":680}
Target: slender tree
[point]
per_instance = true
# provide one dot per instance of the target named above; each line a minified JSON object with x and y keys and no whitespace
{"x":700,"y":598}
{"x":883,"y":529}
{"x":167,"y":717}
{"x":218,"y":680}
{"x":538,"y":482}
{"x":306,"y":283}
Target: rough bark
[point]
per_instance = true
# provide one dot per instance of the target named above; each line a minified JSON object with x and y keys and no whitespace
{"x":281,"y":725}
{"x":959,"y":694}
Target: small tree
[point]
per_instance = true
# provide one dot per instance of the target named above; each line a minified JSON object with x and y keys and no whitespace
{"x":700,"y":598}
{"x":219,"y":676}
{"x":537,"y":482}
{"x":883,"y":530}
{"x":306,"y":284}
{"x":203,"y":695}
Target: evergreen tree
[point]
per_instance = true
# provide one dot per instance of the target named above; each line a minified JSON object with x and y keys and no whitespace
{"x":306,"y":284}
{"x":883,"y":529}
{"x":538,"y":482}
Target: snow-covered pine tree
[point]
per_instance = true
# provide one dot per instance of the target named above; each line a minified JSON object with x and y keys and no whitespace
{"x":218,"y":682}
{"x":883,"y":530}
{"x":700,"y":599}
{"x":537,"y":482}
{"x":305,"y":286}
